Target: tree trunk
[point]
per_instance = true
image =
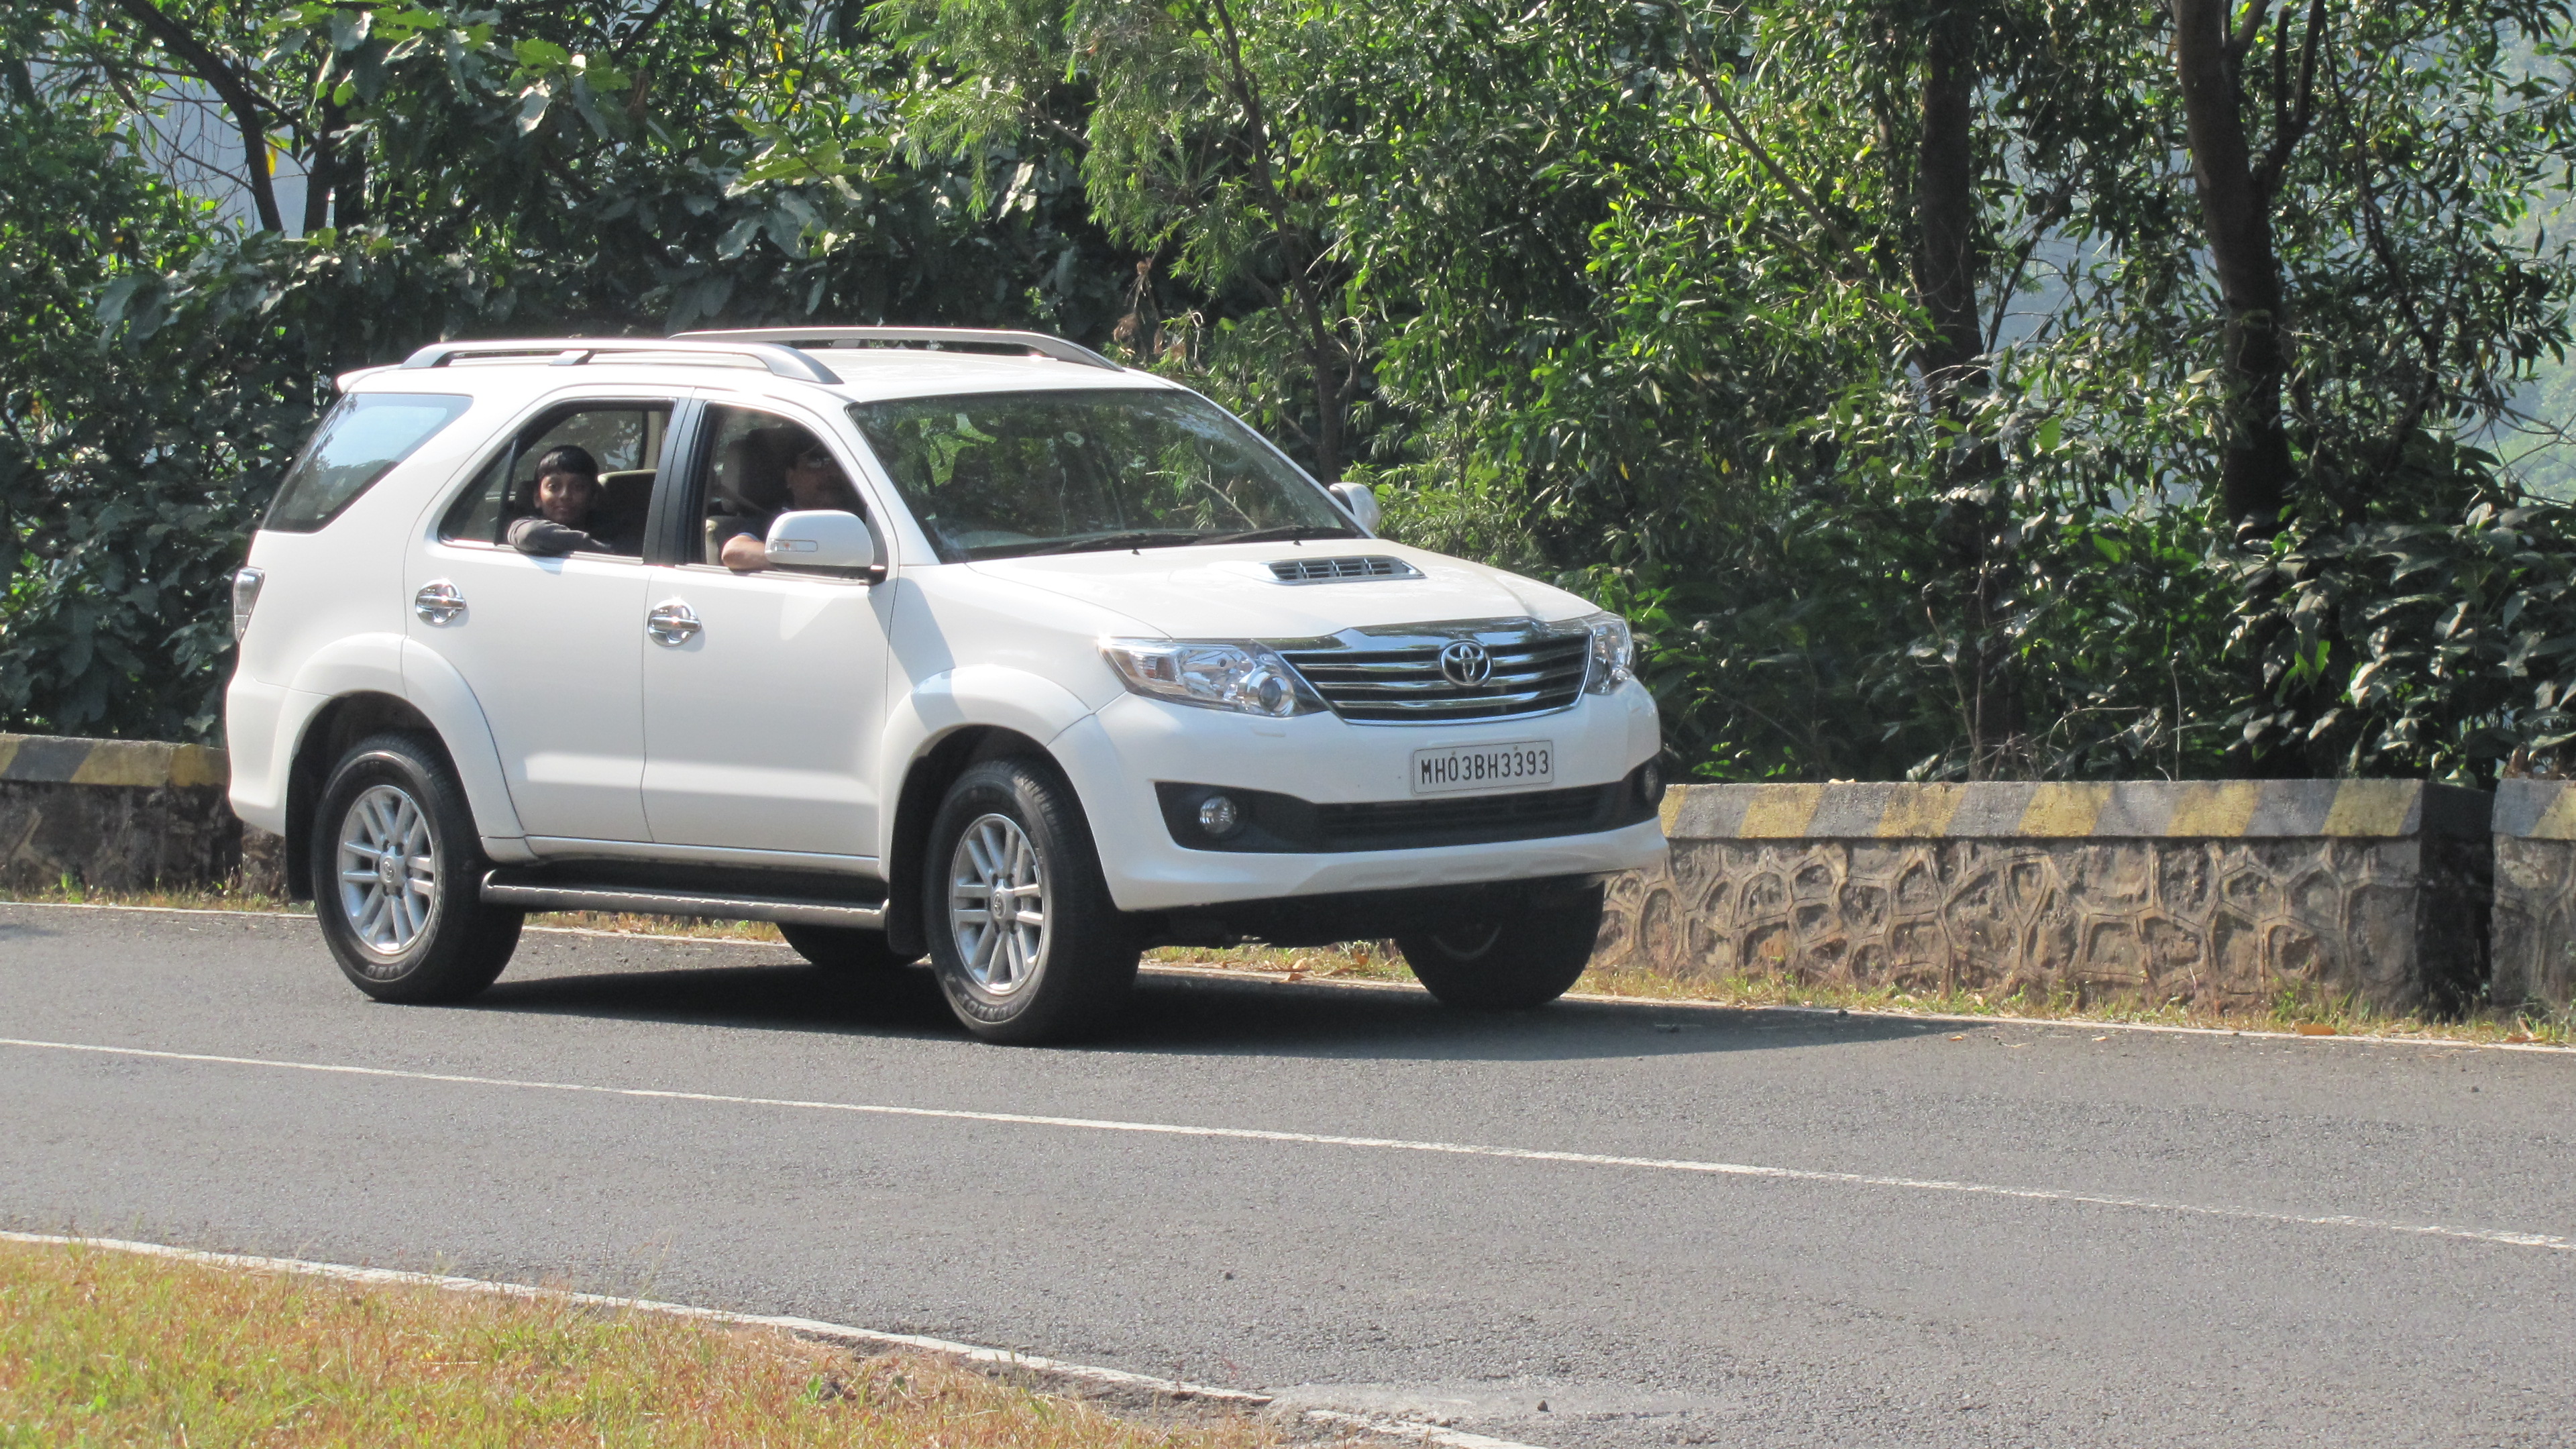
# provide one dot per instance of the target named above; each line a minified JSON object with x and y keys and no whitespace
{"x":1947,"y":265}
{"x":2255,"y":472}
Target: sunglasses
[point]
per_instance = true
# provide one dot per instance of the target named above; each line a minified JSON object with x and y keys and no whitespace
{"x":814,"y":458}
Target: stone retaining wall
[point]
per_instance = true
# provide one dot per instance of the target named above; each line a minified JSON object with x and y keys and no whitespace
{"x":120,"y":815}
{"x":2221,"y":893}
{"x":2535,"y":894}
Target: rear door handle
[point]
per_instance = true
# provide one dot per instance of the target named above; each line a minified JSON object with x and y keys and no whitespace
{"x":438,"y":602}
{"x":671,"y":623}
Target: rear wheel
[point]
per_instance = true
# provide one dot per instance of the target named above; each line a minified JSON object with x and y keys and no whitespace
{"x":1511,"y":962}
{"x":843,"y":948}
{"x":397,"y":875}
{"x":1026,"y":942}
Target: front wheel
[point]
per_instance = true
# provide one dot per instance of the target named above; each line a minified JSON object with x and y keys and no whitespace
{"x":1511,"y":962}
{"x":1027,"y":945}
{"x":397,"y":875}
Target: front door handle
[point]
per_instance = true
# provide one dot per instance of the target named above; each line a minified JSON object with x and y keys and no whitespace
{"x":672,"y":623}
{"x":438,"y":602}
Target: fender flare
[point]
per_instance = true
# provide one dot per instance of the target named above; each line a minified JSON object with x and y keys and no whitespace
{"x":970,"y":696}
{"x":434,"y":687}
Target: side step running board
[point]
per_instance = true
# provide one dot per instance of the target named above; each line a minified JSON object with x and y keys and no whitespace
{"x":651,"y":901}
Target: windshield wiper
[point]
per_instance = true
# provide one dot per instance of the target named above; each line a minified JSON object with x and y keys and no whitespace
{"x":1284,"y":531}
{"x":1136,"y":538}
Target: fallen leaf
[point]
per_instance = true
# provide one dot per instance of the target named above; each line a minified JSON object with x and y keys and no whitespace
{"x":2517,"y":1039}
{"x":2315,"y":1028}
{"x":2101,"y":1038}
{"x":1959,"y":1038}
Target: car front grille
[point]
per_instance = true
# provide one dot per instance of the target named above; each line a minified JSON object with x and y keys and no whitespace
{"x":1394,"y":676}
{"x":1343,"y":569}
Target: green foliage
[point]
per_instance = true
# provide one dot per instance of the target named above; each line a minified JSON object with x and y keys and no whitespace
{"x":527,"y":169}
{"x":1641,"y":297}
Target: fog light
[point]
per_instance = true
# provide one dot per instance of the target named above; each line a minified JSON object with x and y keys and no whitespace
{"x":1219,"y":815}
{"x":1650,"y":783}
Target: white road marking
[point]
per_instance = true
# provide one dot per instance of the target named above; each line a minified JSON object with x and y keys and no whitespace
{"x":803,"y":1327}
{"x":1384,"y":1144}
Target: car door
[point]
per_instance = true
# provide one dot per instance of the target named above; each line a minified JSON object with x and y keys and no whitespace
{"x":764,"y":691}
{"x":553,"y":647}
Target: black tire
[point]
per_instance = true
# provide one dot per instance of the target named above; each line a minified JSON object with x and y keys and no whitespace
{"x":1514,"y":962}
{"x":394,"y":941}
{"x":842,"y":948}
{"x":1060,"y":980}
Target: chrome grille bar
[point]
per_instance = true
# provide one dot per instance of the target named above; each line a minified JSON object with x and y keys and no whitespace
{"x":1393,"y":676}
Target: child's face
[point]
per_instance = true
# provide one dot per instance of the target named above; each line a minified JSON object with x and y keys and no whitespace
{"x":565,"y":498}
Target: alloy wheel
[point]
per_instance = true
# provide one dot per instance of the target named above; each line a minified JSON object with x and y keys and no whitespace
{"x":997,"y":905}
{"x":388,"y":870}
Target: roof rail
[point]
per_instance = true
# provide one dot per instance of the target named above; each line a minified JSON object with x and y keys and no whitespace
{"x":1037,"y":342}
{"x":574,"y":351}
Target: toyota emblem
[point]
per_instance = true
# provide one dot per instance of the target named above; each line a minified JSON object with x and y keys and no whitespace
{"x":1465,"y":662}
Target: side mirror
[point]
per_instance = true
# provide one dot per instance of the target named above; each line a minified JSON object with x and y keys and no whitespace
{"x":1359,"y":501}
{"x":822,"y":538}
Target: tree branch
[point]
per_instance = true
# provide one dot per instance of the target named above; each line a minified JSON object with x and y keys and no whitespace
{"x":643,"y":28}
{"x":2290,"y":127}
{"x":1320,"y":342}
{"x":235,"y":92}
{"x":1743,"y":136}
{"x":2246,"y":30}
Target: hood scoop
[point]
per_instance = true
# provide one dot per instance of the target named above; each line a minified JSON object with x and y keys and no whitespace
{"x":1347,"y":568}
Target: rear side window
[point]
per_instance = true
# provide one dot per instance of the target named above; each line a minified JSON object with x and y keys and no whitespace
{"x":360,"y":441}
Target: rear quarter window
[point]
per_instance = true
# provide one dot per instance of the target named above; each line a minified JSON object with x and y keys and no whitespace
{"x":360,"y":440}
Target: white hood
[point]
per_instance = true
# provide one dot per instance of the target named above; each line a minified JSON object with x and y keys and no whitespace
{"x":1227,"y":591}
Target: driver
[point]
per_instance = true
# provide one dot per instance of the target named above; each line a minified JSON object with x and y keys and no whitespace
{"x":814,"y":480}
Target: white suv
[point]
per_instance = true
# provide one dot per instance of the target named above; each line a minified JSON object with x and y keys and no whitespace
{"x":996,"y":652}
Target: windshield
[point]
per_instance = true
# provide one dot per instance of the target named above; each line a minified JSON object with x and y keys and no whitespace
{"x":1000,"y":475}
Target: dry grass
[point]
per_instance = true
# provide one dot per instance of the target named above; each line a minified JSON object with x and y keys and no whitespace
{"x":2289,"y":1012}
{"x":99,"y":1347}
{"x":1379,"y":961}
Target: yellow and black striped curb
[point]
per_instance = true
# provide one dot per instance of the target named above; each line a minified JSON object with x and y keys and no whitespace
{"x":2383,"y":809}
{"x":150,"y":764}
{"x":2536,"y":809}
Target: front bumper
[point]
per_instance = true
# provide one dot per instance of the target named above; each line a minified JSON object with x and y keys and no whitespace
{"x":1116,"y":758}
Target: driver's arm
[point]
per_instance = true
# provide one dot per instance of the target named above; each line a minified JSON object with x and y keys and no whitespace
{"x":743,"y":553}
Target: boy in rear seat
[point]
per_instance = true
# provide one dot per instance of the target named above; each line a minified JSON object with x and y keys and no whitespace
{"x":567,"y":491}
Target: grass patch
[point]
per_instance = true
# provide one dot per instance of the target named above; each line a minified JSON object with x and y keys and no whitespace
{"x":2288,"y":1012}
{"x":99,"y":1347}
{"x":1380,"y":961}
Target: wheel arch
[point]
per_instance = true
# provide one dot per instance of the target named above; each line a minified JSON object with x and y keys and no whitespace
{"x":925,"y":784}
{"x":334,"y":728}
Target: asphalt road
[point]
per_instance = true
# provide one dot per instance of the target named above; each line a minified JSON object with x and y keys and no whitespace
{"x":1877,"y":1294}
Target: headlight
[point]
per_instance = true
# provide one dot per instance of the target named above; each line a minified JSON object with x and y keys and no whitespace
{"x":1212,"y":674}
{"x":1614,"y":654}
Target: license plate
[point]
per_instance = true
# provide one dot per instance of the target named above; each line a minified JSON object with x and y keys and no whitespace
{"x":1484,"y":767}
